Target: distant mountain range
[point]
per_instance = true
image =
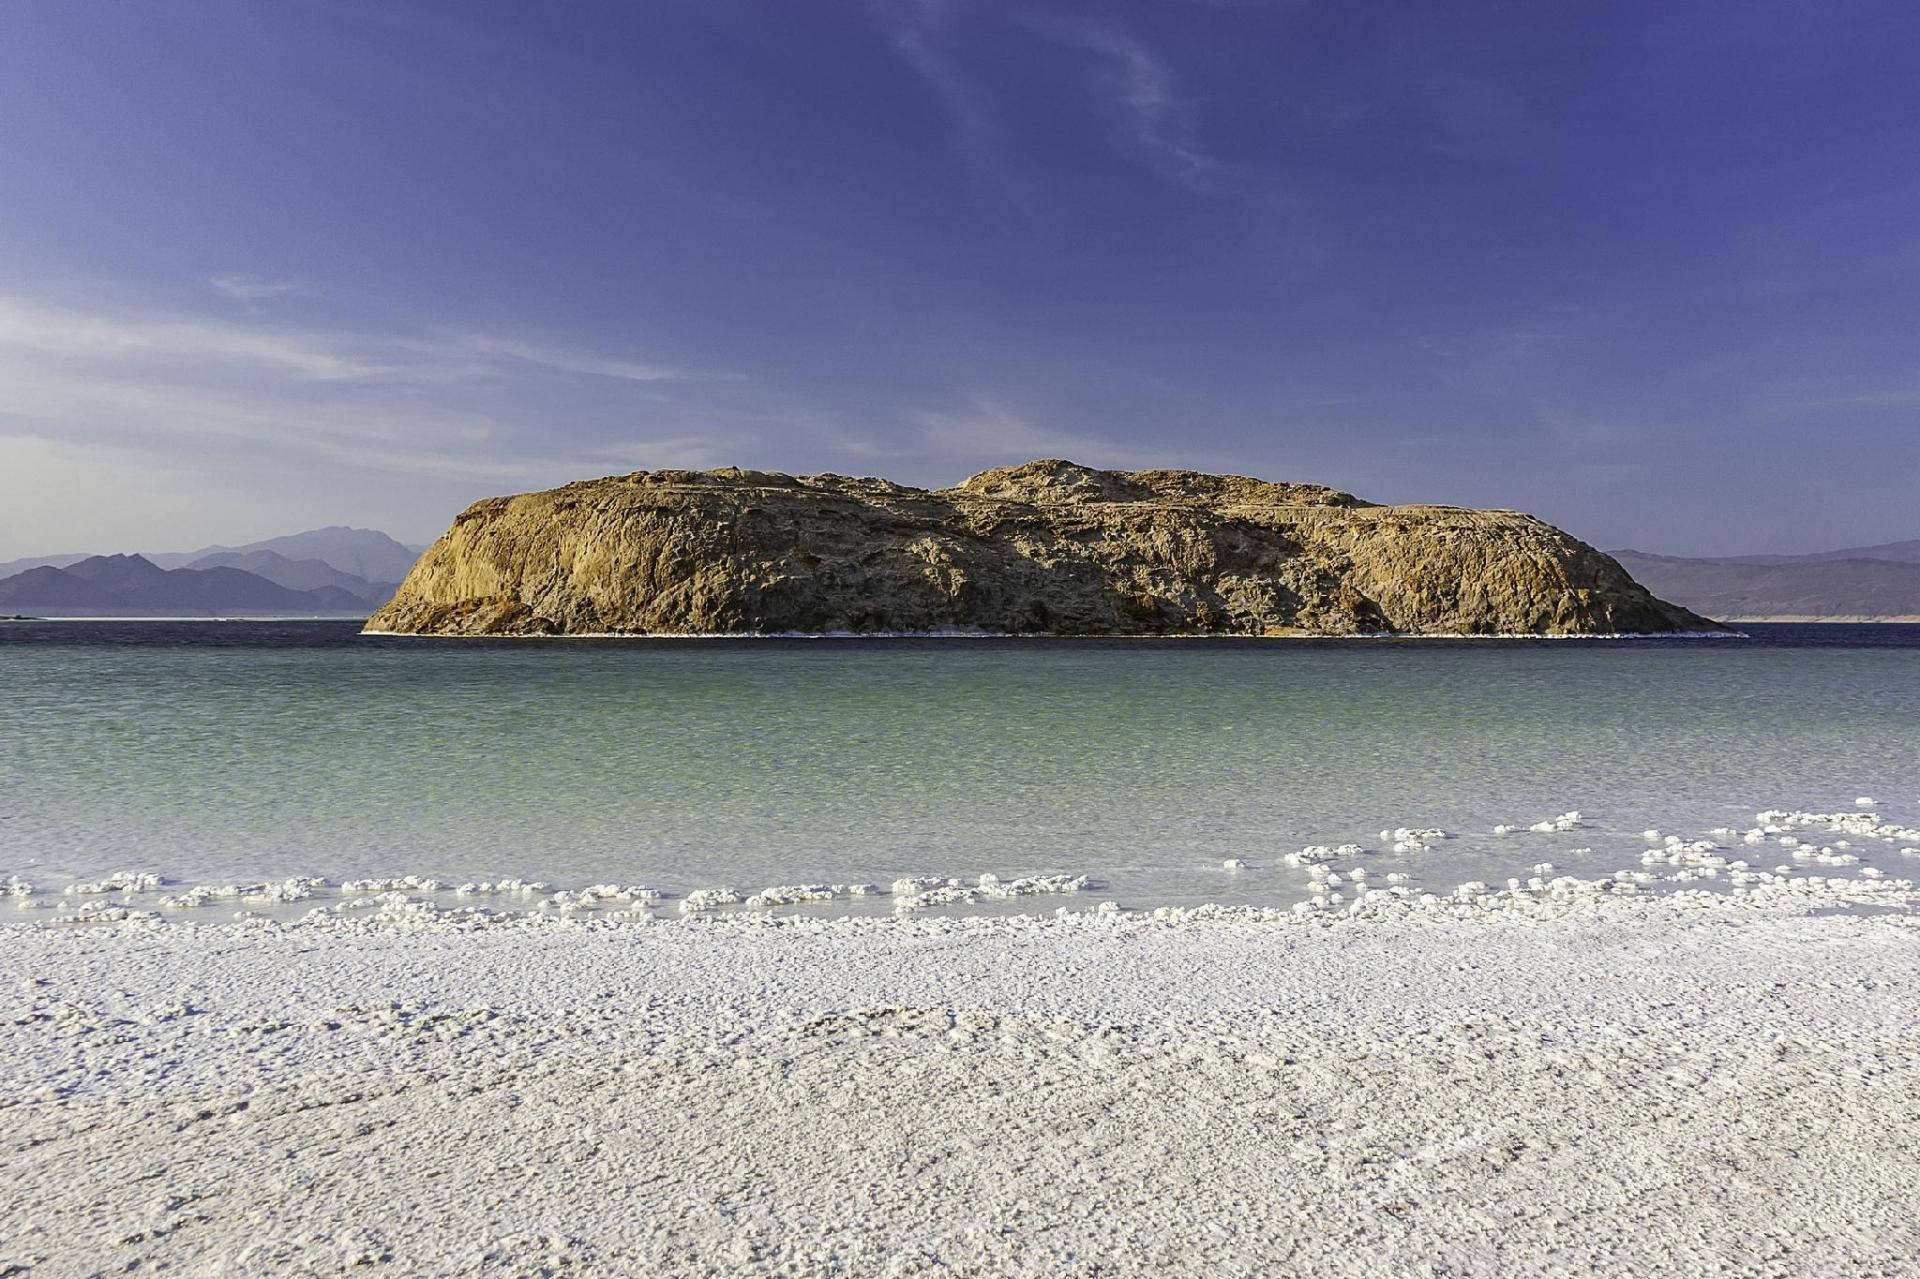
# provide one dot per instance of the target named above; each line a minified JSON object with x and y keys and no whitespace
{"x":363,"y":552}
{"x":324,"y":571}
{"x":1897,"y":552}
{"x":1874,"y":582}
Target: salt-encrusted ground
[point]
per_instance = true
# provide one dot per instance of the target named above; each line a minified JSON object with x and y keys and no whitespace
{"x":1677,"y":1087}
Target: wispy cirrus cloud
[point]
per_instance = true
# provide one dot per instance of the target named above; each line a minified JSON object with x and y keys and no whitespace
{"x":100,"y":339}
{"x":1137,"y":84}
{"x":1157,"y":121}
{"x":917,"y":29}
{"x":413,"y":403}
{"x":251,"y":288}
{"x":504,"y":350}
{"x":150,"y":343}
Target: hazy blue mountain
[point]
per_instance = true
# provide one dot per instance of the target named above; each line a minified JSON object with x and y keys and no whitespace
{"x":1811,"y":586}
{"x":1899,"y":552}
{"x":134,"y":585}
{"x":50,"y":589}
{"x":300,"y":575}
{"x":121,"y":575}
{"x":366,"y":553}
{"x":10,"y":567}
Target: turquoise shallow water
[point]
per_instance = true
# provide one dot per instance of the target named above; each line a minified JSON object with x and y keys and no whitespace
{"x":215,"y":751}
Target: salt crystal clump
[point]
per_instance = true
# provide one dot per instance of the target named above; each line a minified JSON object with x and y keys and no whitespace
{"x":792,"y":894}
{"x":100,"y":912}
{"x":522,"y":887}
{"x":121,"y":881}
{"x":403,"y":884}
{"x":1866,"y":825}
{"x":1864,"y":801}
{"x":917,"y":893}
{"x":943,"y":893}
{"x":18,"y":887}
{"x":1032,"y":884}
{"x":1824,"y":856}
{"x":395,"y":910}
{"x":297,"y":888}
{"x":570,"y":901}
{"x":617,"y":893}
{"x":1564,"y":822}
{"x":1233,"y":863}
{"x":1680,"y":852}
{"x":708,"y":898}
{"x":907,"y":886}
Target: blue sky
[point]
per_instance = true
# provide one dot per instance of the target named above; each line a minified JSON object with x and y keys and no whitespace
{"x":1649,"y":270}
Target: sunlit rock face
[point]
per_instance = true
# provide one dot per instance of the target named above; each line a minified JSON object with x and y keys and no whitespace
{"x":1048,"y":548}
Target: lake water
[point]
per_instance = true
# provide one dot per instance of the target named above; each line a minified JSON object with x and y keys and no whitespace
{"x":221,"y":751}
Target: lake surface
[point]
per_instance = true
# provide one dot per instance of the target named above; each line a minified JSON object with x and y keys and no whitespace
{"x":220,"y":751}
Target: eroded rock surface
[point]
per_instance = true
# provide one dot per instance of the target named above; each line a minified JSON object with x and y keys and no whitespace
{"x":1045,"y":548}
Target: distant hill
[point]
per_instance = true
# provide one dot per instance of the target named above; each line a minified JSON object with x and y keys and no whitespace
{"x":48,"y":589}
{"x":132,"y":585}
{"x":1755,"y":587}
{"x":1898,"y":552}
{"x":300,"y":575}
{"x":10,"y":567}
{"x":364,"y":554}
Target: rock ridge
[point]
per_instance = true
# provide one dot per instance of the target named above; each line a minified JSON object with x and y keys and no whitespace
{"x":1049,"y":547}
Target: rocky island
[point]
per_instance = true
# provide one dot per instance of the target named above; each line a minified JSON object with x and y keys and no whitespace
{"x":1049,"y":548}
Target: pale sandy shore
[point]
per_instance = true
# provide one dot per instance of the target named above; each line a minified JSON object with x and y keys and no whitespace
{"x":1641,"y":1088}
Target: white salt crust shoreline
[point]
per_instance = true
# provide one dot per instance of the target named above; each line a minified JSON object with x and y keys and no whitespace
{"x":1687,"y":1084}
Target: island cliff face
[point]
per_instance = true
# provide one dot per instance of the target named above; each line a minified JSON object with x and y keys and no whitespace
{"x":1045,"y":548}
